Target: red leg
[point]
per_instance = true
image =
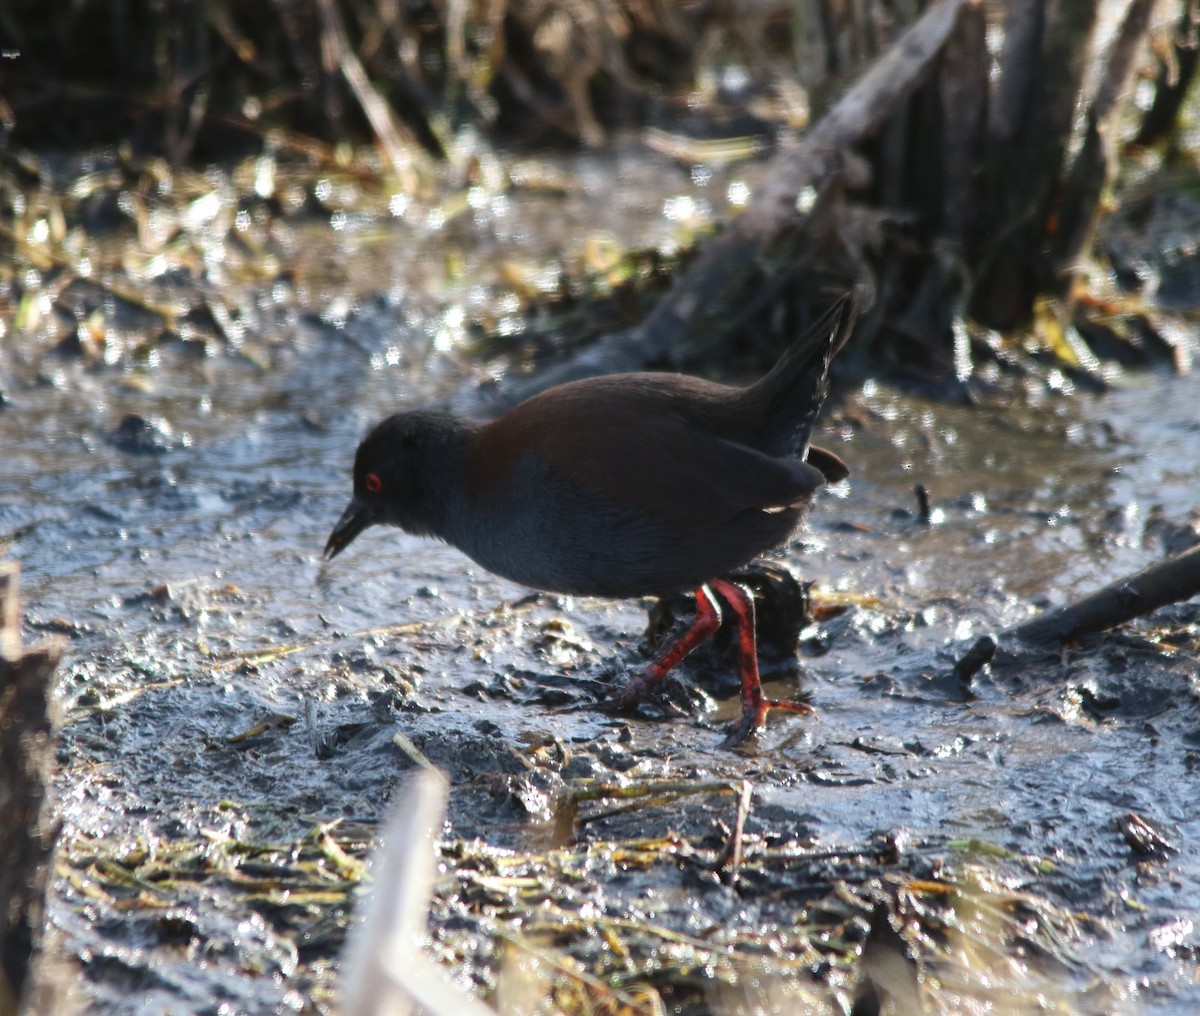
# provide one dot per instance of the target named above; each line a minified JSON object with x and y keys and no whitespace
{"x":708,"y":620}
{"x":755,"y":705}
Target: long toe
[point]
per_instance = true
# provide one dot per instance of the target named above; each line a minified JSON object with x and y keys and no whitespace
{"x":788,"y":705}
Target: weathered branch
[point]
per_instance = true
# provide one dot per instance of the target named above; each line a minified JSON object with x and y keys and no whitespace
{"x":717,"y":275}
{"x":1169,"y":581}
{"x":716,"y":279}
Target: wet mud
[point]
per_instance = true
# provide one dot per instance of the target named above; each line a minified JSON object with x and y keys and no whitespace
{"x":230,"y":704}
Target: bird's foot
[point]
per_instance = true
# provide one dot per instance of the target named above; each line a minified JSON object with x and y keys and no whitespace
{"x":644,"y":689}
{"x":630,"y":693}
{"x":707,"y":621}
{"x":755,"y":705}
{"x":754,"y":718}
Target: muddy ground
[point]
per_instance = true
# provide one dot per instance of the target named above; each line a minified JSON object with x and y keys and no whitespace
{"x":230,"y":704}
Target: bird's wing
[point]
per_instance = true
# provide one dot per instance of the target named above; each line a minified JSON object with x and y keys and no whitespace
{"x":646,"y":461}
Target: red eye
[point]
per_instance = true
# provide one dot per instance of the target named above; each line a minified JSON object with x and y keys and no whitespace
{"x":372,"y":482}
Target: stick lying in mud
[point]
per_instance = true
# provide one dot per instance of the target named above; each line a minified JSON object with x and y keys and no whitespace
{"x":1170,"y":581}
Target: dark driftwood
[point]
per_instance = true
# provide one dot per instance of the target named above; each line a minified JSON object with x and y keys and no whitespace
{"x":717,"y":275}
{"x":1173,"y":581}
{"x":1169,"y":581}
{"x":26,"y":755}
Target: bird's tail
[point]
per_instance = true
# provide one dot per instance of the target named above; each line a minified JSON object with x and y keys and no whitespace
{"x":790,"y":396}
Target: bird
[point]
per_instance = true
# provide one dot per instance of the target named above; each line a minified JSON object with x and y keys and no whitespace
{"x":622,"y":485}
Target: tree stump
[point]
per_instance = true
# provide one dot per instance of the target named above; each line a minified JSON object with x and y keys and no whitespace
{"x":27,"y":744}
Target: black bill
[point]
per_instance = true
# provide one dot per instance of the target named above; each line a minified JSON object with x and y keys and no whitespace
{"x":354,"y":520}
